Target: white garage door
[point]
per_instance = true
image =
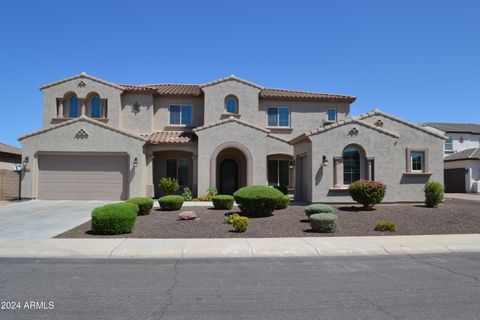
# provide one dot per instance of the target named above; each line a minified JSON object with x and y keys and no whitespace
{"x":82,"y":177}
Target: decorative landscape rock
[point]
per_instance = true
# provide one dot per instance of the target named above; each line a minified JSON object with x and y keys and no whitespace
{"x":187,"y":215}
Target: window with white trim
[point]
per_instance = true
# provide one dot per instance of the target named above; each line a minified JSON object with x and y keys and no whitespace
{"x":417,"y":161}
{"x":278,"y":117}
{"x":178,"y":169}
{"x":449,"y":144}
{"x":331,"y":115}
{"x":181,"y":115}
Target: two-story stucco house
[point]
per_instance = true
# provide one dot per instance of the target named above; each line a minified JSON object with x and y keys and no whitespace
{"x":102,"y":140}
{"x":462,"y":155}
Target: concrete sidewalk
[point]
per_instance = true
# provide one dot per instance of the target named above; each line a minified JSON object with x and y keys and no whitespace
{"x":238,"y":248}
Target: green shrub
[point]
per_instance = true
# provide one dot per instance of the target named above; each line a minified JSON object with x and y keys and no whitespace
{"x":433,"y":194}
{"x":170,"y":202}
{"x":144,"y":204}
{"x":386,"y":226}
{"x":212,"y":191}
{"x":169,"y":185}
{"x":229,"y":217}
{"x":115,"y":218}
{"x":283,"y":203}
{"x":205,"y":197}
{"x":368,"y":193}
{"x":258,"y":200}
{"x":282,"y":189}
{"x":318,"y":208}
{"x":240,"y":224}
{"x":323,"y":222}
{"x":187,"y":194}
{"x":223,"y":201}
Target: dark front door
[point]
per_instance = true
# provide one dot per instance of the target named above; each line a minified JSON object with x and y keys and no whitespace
{"x":228,"y":176}
{"x":454,"y":180}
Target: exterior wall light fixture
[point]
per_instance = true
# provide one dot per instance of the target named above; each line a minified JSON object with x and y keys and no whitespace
{"x":324,"y":161}
{"x":135,"y":162}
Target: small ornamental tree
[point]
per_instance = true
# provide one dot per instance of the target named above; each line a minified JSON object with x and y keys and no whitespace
{"x":368,"y":193}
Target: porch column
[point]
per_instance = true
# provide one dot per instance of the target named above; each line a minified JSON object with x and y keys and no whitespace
{"x":82,"y":106}
{"x":336,"y":161}
{"x":60,"y":108}
{"x":149,"y":176}
{"x":369,"y":168}
{"x":195,"y":175}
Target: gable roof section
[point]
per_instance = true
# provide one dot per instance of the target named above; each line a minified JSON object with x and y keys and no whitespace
{"x":454,"y":127}
{"x":468,"y":154}
{"x":306,"y":136}
{"x":6,"y":148}
{"x":377,"y":112}
{"x":86,"y":119}
{"x":82,"y":75}
{"x":177,"y":137}
{"x":232,"y":77}
{"x":166,"y":89}
{"x":242,"y":122}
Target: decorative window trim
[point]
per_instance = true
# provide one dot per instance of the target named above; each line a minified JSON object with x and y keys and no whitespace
{"x":170,"y":124}
{"x":326,"y":115}
{"x":279,"y":126}
{"x":409,"y":152}
{"x":237,"y":104}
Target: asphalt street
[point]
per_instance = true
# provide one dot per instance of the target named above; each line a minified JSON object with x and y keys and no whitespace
{"x":372,"y":287}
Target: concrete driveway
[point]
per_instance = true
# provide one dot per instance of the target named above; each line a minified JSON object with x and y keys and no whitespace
{"x":43,"y":219}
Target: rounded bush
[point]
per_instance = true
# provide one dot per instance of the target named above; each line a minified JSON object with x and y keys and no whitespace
{"x":240,"y":224}
{"x":433,"y":194}
{"x":386,"y":226}
{"x":223,"y":201}
{"x":258,"y":200}
{"x":323,"y":222}
{"x":170,"y":202}
{"x":144,"y":204}
{"x":366,"y":192}
{"x":318,"y":208}
{"x":115,"y":218}
{"x":283,"y":203}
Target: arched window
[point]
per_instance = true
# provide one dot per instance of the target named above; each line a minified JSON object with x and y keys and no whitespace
{"x":96,"y":107}
{"x":351,"y":165}
{"x":231,"y":104}
{"x":73,"y":107}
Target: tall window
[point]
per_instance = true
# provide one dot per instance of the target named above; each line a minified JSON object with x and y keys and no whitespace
{"x":96,"y":106}
{"x":449,"y":144}
{"x":278,"y":117}
{"x":73,"y":107}
{"x":181,"y":115}
{"x":416,"y":159}
{"x":351,"y":165}
{"x":178,"y":169}
{"x":332,"y":114}
{"x":278,"y":172}
{"x":231,"y":104}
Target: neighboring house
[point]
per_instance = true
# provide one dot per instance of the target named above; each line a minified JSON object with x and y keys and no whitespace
{"x":462,"y":166}
{"x":9,"y":179}
{"x":102,"y":140}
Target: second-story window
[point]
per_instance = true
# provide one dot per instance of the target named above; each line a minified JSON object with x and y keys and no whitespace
{"x":278,"y":117}
{"x":96,"y":107}
{"x":449,"y":144}
{"x":331,"y":114}
{"x":73,"y":107}
{"x":181,"y":115}
{"x":231,"y":104}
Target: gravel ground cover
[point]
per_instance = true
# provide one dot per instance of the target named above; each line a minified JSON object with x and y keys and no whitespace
{"x":453,"y":216}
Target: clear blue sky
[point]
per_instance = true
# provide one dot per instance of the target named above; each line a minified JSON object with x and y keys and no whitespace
{"x":419,"y":60}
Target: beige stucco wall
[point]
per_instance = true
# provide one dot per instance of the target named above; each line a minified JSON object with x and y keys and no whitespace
{"x":100,"y":141}
{"x":161,"y":115}
{"x":72,"y":86}
{"x":137,"y":122}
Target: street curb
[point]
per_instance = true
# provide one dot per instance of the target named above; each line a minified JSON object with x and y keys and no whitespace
{"x":132,"y":248}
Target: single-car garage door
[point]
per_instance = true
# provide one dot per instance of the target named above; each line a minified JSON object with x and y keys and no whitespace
{"x":82,"y":177}
{"x":454,"y":180}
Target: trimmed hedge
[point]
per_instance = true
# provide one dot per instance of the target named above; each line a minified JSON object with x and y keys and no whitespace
{"x":144,"y":205}
{"x":115,"y":218}
{"x":386,"y":226}
{"x":283,"y":203}
{"x":323,"y":222}
{"x":258,"y":200}
{"x":318,"y":208}
{"x":223,"y":201}
{"x":240,"y":224}
{"x":433,"y":194}
{"x":171,"y":202}
{"x":366,"y":192}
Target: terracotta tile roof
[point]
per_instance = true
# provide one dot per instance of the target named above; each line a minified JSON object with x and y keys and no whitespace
{"x":171,"y":137}
{"x":79,"y":76}
{"x":468,"y":154}
{"x":5,"y":148}
{"x":166,"y":89}
{"x":455,"y":127}
{"x":281,"y":94}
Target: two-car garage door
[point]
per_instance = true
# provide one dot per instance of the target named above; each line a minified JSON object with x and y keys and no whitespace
{"x":83,"y":177}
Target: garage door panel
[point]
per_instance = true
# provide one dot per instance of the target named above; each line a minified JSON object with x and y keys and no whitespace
{"x":454,"y":180}
{"x":82,"y":177}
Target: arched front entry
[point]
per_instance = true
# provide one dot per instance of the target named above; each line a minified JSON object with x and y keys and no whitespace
{"x":228,"y":176}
